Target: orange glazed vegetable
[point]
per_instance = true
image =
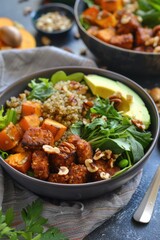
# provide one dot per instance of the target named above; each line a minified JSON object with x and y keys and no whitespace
{"x":111,"y":5}
{"x":106,"y":20}
{"x":9,"y":137}
{"x":29,"y":108}
{"x":28,"y":41}
{"x":56,"y":128}
{"x":90,"y":14}
{"x":6,"y":22}
{"x":29,"y":121}
{"x":20,"y":161}
{"x":18,"y":148}
{"x":106,"y":34}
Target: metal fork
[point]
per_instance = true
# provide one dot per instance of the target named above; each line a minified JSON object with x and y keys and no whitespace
{"x":144,"y":212}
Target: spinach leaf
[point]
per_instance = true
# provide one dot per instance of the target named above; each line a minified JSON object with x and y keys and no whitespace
{"x":142,"y":137}
{"x":136,"y":149}
{"x":149,"y":11}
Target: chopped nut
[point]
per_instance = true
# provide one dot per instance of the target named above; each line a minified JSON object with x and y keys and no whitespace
{"x":67,"y":49}
{"x":77,"y":35}
{"x":108,"y":154}
{"x":27,"y":11}
{"x":154,"y":41}
{"x":156,"y":49}
{"x":83,"y":52}
{"x":63,"y":170}
{"x":125,"y":19}
{"x":138,"y":124}
{"x":91,"y":167}
{"x":50,"y":149}
{"x":111,"y":162}
{"x":155,"y":94}
{"x":105,"y":175}
{"x":45,"y":41}
{"x":98,"y":155}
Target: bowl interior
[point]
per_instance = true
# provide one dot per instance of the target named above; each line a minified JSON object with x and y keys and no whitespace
{"x":92,"y":189}
{"x":63,"y":9}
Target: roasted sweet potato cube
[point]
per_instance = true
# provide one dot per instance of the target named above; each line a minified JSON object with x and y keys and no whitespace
{"x":20,"y":161}
{"x":55,"y":127}
{"x":107,"y":20}
{"x":29,"y":121}
{"x":90,"y":14}
{"x":106,"y":34}
{"x":111,"y":5}
{"x":29,"y":108}
{"x":9,"y":137}
{"x":19,"y":148}
{"x":93,"y":30}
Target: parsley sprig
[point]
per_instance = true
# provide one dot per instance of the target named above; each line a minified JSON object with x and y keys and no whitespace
{"x":34,"y":225}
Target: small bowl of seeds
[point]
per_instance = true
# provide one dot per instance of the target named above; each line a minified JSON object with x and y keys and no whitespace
{"x":53,"y":19}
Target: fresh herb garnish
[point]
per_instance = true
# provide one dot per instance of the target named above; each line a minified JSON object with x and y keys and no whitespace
{"x":6,"y":118}
{"x":41,"y":90}
{"x":111,"y":130}
{"x":34,"y":225}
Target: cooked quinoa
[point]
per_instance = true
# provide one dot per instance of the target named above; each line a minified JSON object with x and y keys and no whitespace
{"x":66,"y":104}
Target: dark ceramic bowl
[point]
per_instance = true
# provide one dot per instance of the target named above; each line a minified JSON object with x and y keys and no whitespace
{"x":62,"y":9}
{"x":92,"y":189}
{"x":68,"y":2}
{"x":117,"y":59}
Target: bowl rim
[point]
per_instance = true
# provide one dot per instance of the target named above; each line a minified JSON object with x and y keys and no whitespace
{"x":62,"y":6}
{"x":26,"y":79}
{"x":77,"y":3}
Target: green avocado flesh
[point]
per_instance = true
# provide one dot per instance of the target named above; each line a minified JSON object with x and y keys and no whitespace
{"x":132,"y":105}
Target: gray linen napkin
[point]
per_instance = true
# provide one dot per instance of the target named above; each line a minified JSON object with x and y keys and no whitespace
{"x":74,"y":218}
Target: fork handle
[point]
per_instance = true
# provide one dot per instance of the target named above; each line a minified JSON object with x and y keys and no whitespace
{"x":144,"y":211}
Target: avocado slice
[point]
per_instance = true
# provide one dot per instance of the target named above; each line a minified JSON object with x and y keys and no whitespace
{"x":132,"y":105}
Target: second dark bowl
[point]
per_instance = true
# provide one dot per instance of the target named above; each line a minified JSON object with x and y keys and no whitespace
{"x":115,"y":58}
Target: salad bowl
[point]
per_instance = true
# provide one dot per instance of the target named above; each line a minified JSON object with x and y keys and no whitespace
{"x":122,"y":60}
{"x":88,"y":189}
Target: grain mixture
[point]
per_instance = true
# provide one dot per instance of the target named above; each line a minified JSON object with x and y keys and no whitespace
{"x":66,"y":104}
